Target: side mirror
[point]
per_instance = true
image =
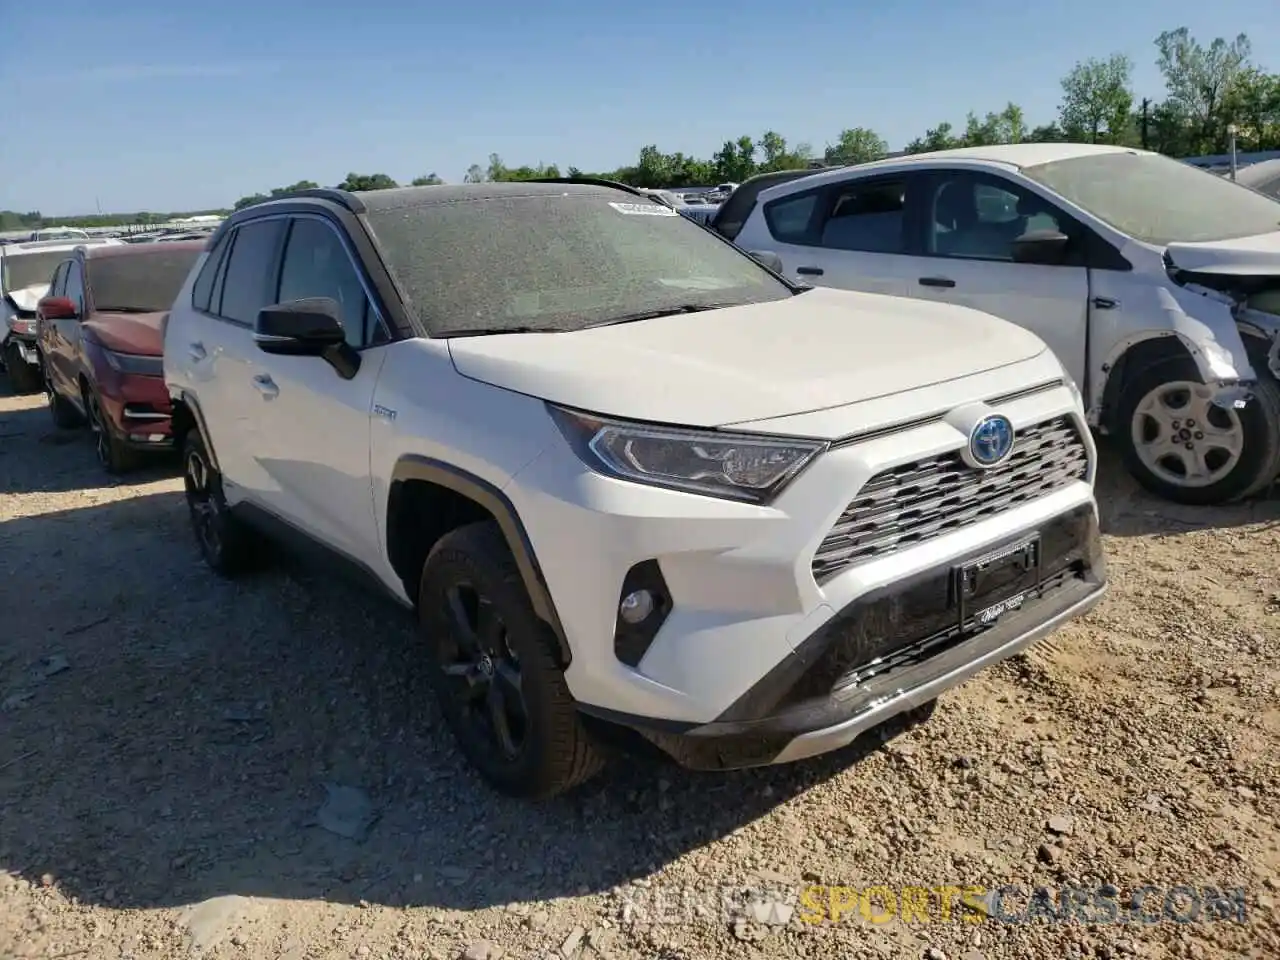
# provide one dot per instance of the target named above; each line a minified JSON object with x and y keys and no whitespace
{"x":311,"y":327}
{"x":768,"y":259}
{"x":1046,"y":247}
{"x":58,"y":308}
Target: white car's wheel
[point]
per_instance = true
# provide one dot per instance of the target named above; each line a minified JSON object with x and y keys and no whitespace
{"x":1182,"y":446}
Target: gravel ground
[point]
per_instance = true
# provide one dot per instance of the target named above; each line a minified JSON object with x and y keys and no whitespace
{"x":176,"y":754}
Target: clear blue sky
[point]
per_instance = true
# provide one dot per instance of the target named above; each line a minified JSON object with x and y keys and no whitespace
{"x":170,"y":105}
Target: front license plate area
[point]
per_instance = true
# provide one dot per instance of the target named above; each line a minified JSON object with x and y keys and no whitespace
{"x":996,"y":583}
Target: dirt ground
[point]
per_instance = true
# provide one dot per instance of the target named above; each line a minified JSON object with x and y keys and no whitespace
{"x":168,"y":743}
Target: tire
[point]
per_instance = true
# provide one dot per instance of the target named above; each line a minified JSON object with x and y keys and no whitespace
{"x":112,"y":453}
{"x":64,"y":412}
{"x":547,"y":750}
{"x":1171,"y":394}
{"x":23,"y":378}
{"x":228,"y":547}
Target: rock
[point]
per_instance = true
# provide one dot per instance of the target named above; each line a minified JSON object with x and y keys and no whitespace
{"x":571,"y":942}
{"x":538,"y":920}
{"x":1061,"y":825}
{"x":347,"y":812}
{"x":1126,"y":947}
{"x":50,"y":666}
{"x":934,"y":953}
{"x":1047,"y":853}
{"x":209,"y":922}
{"x":482,"y":950}
{"x":748,"y":932}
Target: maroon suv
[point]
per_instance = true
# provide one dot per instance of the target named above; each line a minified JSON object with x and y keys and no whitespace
{"x":101,"y":344}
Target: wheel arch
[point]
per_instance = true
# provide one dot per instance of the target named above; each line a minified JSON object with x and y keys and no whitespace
{"x":1130,"y":360}
{"x":428,"y":498}
{"x":186,"y":416}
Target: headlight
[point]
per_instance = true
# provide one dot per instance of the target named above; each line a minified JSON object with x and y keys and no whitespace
{"x":735,"y":466}
{"x":133,"y":363}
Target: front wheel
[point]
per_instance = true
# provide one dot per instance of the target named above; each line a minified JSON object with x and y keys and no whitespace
{"x":227,"y":545}
{"x":1181,"y":446}
{"x":64,"y":412}
{"x":502,"y":692}
{"x":115,"y":457}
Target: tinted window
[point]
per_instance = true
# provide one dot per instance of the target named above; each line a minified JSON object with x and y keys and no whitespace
{"x":59,"y":281}
{"x":142,"y":282}
{"x":974,"y":218}
{"x":788,"y":219}
{"x":248,"y":285}
{"x":202,"y":290}
{"x":75,"y":287}
{"x":317,"y":265}
{"x":556,"y":261}
{"x":867,"y":217}
{"x":1159,"y":200}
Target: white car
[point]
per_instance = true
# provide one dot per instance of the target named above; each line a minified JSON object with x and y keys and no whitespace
{"x":626,"y":478}
{"x":25,"y":271}
{"x":1157,"y":284}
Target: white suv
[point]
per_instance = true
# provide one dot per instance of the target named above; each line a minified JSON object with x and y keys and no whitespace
{"x":628,"y":478}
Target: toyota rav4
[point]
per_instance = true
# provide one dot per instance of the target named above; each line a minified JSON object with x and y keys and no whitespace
{"x":629,"y":479}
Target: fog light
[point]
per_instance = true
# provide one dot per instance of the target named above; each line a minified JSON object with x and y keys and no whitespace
{"x":636,"y":606}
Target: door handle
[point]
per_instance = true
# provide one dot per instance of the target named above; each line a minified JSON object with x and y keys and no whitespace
{"x":266,"y":386}
{"x":197,"y":352}
{"x":809,"y":271}
{"x":1105,"y":303}
{"x":936,"y":282}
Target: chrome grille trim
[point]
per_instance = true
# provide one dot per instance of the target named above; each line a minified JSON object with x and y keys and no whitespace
{"x":909,"y":504}
{"x":941,"y":414}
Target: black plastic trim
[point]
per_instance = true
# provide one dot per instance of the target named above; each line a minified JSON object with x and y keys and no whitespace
{"x":415,"y":467}
{"x":306,"y":547}
{"x":593,"y":182}
{"x":632,"y":641}
{"x":193,"y":406}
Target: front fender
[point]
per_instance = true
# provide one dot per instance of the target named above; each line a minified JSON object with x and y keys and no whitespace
{"x":1203,"y":323}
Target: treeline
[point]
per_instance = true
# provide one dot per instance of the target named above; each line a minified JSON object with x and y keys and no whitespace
{"x":35,"y":220}
{"x":1209,"y":88}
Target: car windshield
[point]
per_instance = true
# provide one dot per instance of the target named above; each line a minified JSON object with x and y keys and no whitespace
{"x":146,"y":281}
{"x":1157,"y":199}
{"x":22,"y":270}
{"x":557,"y":261}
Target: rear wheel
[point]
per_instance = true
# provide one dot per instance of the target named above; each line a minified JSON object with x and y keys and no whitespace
{"x":227,"y":545}
{"x":1181,"y":446}
{"x":499,"y":684}
{"x":23,"y":377}
{"x":64,"y":412}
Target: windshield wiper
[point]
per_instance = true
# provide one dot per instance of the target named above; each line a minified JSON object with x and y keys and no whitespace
{"x":492,"y":331}
{"x":660,"y":312}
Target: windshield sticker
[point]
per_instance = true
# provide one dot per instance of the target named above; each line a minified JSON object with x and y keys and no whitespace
{"x":644,"y":209}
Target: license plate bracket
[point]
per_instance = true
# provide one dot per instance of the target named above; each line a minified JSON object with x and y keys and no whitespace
{"x":999,"y":582}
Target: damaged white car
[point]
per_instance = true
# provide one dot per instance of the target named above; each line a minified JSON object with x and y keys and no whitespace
{"x":1157,"y":284}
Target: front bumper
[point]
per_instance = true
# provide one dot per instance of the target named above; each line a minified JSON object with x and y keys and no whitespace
{"x":889,"y":652}
{"x":139,"y":410}
{"x":24,"y":345}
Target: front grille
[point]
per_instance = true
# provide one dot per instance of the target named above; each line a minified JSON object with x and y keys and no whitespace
{"x":909,"y":504}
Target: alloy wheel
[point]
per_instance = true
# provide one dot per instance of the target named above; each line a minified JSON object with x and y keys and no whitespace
{"x":101,"y":438}
{"x":1184,"y":438}
{"x":197,"y":478}
{"x":483,"y":671}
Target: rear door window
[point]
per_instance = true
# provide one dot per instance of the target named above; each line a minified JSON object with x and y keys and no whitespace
{"x":249,"y":282}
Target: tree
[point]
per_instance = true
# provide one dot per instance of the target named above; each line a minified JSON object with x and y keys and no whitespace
{"x":430,"y":180}
{"x":936,"y":138}
{"x":855,"y":145}
{"x":475,"y":174}
{"x":1097,"y":97}
{"x":1253,"y":104}
{"x":367,"y":181}
{"x":1198,"y":80}
{"x":294,"y":188}
{"x":735,"y":161}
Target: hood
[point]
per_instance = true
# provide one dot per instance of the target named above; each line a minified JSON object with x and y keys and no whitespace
{"x":824,"y":348}
{"x":27,"y":298}
{"x":1242,"y":256}
{"x":138,"y":333}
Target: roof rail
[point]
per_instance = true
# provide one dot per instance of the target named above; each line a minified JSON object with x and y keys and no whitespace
{"x":592,"y":182}
{"x":342,"y":198}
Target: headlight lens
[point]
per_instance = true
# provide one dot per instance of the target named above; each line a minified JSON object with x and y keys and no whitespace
{"x":734,"y":466}
{"x":132,"y":363}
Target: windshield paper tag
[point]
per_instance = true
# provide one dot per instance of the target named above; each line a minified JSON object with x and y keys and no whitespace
{"x":644,"y":209}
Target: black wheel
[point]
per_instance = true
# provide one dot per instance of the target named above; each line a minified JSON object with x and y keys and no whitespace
{"x":64,"y":412}
{"x":227,"y":545}
{"x":1182,"y":447}
{"x":500,"y":686}
{"x":23,"y":377}
{"x":112,"y":454}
